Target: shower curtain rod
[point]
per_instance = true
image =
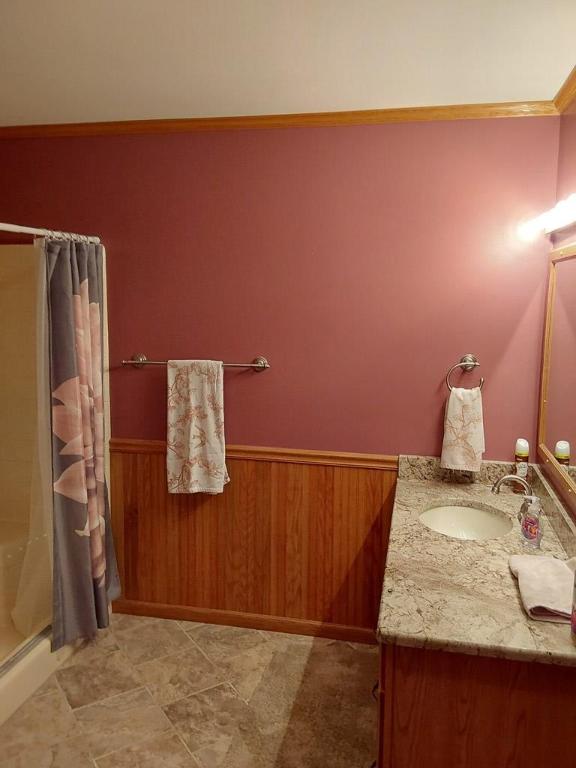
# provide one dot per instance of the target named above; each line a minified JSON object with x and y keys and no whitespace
{"x":49,"y":233}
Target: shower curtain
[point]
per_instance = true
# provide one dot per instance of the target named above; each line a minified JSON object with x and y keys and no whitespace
{"x":85,"y":574}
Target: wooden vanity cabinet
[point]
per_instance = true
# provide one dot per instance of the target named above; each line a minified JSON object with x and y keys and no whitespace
{"x":451,"y":710}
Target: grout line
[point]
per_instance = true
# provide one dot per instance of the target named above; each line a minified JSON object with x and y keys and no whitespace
{"x":237,"y":693}
{"x":186,"y":747}
{"x":230,"y":655}
{"x":202,"y":651}
{"x":174,"y":651}
{"x":109,"y":698}
{"x":196,"y":693}
{"x":141,"y":740}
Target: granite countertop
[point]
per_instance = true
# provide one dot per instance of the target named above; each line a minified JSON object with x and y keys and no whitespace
{"x":456,"y":595}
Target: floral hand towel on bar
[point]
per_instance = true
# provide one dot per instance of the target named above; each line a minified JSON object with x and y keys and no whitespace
{"x":463,"y":443}
{"x":196,"y":456}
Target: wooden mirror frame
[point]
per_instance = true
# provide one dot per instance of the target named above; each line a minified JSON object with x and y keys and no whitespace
{"x":564,"y":484}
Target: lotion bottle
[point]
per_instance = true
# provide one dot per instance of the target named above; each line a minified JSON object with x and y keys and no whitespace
{"x":562,"y":452}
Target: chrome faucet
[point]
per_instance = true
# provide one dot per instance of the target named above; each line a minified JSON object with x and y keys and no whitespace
{"x":515,"y":479}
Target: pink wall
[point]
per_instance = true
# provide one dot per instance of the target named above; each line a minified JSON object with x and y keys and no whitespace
{"x":566,"y":184}
{"x":361,"y":261}
{"x":567,"y":154}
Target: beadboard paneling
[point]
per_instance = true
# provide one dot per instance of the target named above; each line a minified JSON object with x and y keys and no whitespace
{"x":298,"y":536}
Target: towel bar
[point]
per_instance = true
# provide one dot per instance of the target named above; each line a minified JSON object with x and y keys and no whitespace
{"x":139,"y":360}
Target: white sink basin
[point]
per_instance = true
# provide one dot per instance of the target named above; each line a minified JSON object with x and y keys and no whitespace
{"x":467,"y":522}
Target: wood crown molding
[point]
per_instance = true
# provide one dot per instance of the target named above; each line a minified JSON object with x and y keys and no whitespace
{"x":284,"y":455}
{"x":567,"y":93}
{"x":301,"y":120}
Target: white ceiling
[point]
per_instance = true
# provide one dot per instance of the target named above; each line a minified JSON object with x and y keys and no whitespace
{"x":90,"y":60}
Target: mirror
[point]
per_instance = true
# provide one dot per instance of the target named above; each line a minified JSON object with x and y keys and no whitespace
{"x":557,"y":421}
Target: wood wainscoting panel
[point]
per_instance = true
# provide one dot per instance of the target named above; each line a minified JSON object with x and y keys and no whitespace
{"x":298,"y":537}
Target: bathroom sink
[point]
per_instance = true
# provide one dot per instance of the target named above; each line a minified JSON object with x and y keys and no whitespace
{"x":462,"y":521}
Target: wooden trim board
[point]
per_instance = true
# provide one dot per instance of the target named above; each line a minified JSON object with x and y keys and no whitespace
{"x":247,"y":620}
{"x":567,"y":93}
{"x":257,"y":453}
{"x":300,"y":120}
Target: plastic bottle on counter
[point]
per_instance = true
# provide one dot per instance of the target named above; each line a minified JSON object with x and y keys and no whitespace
{"x":521,"y":456}
{"x":530,"y":517}
{"x":562,"y":452}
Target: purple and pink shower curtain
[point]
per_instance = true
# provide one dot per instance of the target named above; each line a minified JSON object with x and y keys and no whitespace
{"x":84,"y":570}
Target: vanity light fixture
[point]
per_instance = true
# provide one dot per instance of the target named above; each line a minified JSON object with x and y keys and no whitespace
{"x":562,"y":215}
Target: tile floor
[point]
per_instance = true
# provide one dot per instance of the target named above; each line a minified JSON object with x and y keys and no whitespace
{"x":152,"y":693}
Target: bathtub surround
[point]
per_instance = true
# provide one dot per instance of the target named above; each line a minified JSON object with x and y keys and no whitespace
{"x":25,"y":521}
{"x":327,"y":248}
{"x":196,"y":454}
{"x":85,"y":576}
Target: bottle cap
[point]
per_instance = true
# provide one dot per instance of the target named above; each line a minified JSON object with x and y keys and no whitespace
{"x":562,"y":449}
{"x":522,"y":447}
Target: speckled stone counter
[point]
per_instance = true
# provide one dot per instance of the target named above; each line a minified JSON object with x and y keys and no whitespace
{"x":460,"y":596}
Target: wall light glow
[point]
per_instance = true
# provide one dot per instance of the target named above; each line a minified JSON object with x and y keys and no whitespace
{"x":562,"y":215}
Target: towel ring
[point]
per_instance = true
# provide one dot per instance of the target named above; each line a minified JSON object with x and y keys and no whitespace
{"x":467,"y":363}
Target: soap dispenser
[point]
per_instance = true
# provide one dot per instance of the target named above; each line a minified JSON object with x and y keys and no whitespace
{"x":530,"y":517}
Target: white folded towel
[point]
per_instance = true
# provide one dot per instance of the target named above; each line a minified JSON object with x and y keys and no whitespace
{"x":463,"y":443}
{"x":196,"y":454}
{"x":545,"y":585}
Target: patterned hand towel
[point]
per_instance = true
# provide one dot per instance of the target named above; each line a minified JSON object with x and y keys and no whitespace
{"x":196,"y":456}
{"x":545,"y":585}
{"x":463,"y":443}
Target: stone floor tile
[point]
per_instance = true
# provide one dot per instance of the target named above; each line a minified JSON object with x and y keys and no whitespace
{"x":39,"y":723}
{"x":209,"y":720}
{"x":220,"y":642}
{"x":67,"y":754}
{"x":120,"y":721}
{"x":151,"y":640}
{"x":86,"y":683}
{"x":88,"y":651}
{"x":323,"y":705}
{"x":245,"y":671}
{"x":49,"y":686}
{"x":165,"y":751}
{"x":179,"y":674}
